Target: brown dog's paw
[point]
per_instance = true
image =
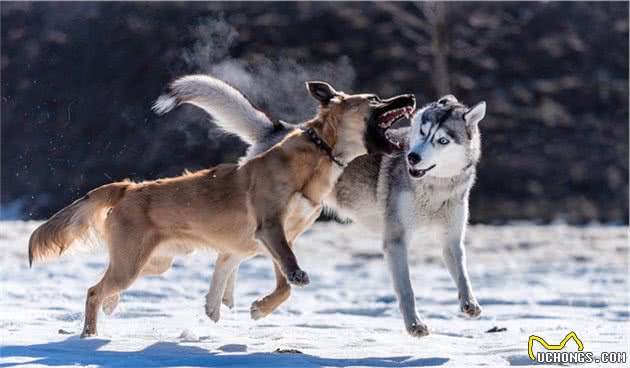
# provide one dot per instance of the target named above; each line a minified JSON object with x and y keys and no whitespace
{"x":256,"y":312}
{"x":418,"y":329}
{"x":109,"y":304}
{"x":298,"y":278}
{"x":471,"y":308}
{"x":87,"y":333}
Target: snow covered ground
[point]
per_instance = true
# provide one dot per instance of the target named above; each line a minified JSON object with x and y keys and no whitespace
{"x":542,"y":280}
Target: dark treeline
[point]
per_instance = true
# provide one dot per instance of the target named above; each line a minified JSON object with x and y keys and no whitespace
{"x":78,"y":80}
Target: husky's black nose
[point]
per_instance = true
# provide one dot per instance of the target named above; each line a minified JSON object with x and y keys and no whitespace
{"x":413,"y":158}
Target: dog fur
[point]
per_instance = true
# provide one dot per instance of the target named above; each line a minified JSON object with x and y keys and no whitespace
{"x":239,"y":210}
{"x":420,"y":191}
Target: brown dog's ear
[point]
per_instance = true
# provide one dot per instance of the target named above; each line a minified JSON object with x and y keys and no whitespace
{"x":322,"y":91}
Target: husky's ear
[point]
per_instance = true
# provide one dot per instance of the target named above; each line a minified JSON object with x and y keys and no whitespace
{"x":322,"y":91}
{"x":474,"y":114}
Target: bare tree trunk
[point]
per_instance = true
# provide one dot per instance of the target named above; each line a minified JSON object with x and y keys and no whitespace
{"x":436,"y":15}
{"x":430,"y":34}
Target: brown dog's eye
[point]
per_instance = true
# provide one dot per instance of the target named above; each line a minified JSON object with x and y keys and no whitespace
{"x":373,"y":99}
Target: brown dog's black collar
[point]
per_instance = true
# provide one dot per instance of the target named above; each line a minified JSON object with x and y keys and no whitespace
{"x":321,"y":143}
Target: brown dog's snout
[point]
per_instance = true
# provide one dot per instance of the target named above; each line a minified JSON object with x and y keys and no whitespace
{"x":402,"y":100}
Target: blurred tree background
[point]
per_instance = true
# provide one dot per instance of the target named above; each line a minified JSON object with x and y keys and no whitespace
{"x":78,"y":80}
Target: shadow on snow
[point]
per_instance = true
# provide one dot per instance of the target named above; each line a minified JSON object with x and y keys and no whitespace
{"x":75,"y":351}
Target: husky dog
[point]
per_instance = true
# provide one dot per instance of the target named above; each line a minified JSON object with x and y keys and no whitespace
{"x":258,"y":206}
{"x":420,"y":192}
{"x":421,"y":189}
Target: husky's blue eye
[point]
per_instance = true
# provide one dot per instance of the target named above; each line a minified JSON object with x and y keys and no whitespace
{"x":443,"y":141}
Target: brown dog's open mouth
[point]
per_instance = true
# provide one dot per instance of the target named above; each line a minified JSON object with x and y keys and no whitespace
{"x":392,"y":110}
{"x":395,"y":108}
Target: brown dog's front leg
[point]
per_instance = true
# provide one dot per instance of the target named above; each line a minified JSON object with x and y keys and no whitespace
{"x":264,"y":306}
{"x":271,"y":234}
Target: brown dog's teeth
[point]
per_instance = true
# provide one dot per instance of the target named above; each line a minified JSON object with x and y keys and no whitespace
{"x":390,"y":117}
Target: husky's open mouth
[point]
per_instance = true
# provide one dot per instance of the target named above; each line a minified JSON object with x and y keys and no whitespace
{"x":418,"y":173}
{"x":389,"y":112}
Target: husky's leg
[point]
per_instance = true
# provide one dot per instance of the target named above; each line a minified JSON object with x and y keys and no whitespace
{"x":226,"y":264}
{"x":264,"y":306}
{"x":156,"y":266}
{"x":271,"y":234}
{"x":395,"y":248}
{"x":455,"y":259}
{"x":228,"y":295}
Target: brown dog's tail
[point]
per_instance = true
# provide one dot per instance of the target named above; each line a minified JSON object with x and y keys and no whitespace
{"x":63,"y":230}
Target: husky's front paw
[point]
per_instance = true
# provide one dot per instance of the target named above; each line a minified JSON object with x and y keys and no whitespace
{"x":418,"y":329}
{"x":470,"y":307}
{"x":213,"y":312}
{"x":228,"y":301}
{"x":298,"y":278}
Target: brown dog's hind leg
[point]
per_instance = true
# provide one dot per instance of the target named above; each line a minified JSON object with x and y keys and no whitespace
{"x":127,"y":259}
{"x":155,"y":267}
{"x":264,"y":306}
{"x":110,"y":303}
{"x":271,"y":234}
{"x":114,"y":281}
{"x":228,"y":295}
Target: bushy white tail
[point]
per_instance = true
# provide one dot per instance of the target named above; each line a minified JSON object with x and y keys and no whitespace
{"x":231,"y":111}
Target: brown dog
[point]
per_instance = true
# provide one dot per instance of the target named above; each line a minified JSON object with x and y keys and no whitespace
{"x":238,"y":210}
